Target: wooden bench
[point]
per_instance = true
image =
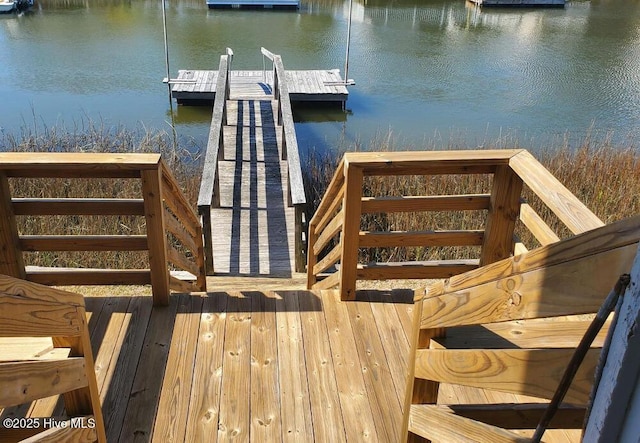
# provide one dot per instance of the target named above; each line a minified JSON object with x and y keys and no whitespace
{"x":492,"y":328}
{"x":30,"y":312}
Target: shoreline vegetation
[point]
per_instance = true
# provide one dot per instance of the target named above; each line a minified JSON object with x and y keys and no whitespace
{"x":604,"y":176}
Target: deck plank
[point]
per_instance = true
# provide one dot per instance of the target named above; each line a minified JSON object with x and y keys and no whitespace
{"x":204,"y":404}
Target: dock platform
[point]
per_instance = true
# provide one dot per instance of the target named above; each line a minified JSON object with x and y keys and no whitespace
{"x":253,"y":4}
{"x":520,"y":3}
{"x":304,"y":86}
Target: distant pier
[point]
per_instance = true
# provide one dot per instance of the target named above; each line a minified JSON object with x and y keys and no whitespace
{"x":520,"y":3}
{"x":304,"y":86}
{"x":254,"y":4}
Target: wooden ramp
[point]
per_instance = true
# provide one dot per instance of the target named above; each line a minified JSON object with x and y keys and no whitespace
{"x":253,"y":228}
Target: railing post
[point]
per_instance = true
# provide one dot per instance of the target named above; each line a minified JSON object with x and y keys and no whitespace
{"x":205,"y":214}
{"x":504,"y":208}
{"x":299,"y":242}
{"x":156,"y":234}
{"x":312,"y":259}
{"x":352,"y":205}
{"x":11,"y":262}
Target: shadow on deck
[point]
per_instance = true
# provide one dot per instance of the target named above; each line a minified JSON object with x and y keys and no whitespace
{"x":259,"y":366}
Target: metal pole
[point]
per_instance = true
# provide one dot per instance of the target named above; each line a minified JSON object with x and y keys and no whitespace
{"x":166,"y":46}
{"x":346,"y":61}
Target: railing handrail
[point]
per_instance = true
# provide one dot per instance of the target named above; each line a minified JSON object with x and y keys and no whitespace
{"x":163,"y":205}
{"x":339,"y":212}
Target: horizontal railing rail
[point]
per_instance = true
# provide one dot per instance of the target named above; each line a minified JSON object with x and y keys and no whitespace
{"x":173,"y":232}
{"x":209,"y":195}
{"x":336,"y":235}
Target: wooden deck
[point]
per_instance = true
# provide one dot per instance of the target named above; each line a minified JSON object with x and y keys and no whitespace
{"x":253,"y":229}
{"x":310,"y":85}
{"x":251,"y":365}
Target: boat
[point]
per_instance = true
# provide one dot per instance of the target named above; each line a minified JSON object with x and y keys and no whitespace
{"x":7,"y":6}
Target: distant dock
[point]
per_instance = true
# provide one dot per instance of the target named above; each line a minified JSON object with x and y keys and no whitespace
{"x":520,"y":3}
{"x":254,"y":4}
{"x":192,"y":86}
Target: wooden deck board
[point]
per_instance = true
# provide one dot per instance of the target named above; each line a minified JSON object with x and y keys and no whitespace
{"x":251,"y":365}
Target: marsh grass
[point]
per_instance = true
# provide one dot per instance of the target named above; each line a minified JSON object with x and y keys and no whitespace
{"x":603,"y":176}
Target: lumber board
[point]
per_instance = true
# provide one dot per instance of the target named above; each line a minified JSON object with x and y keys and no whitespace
{"x":575,"y":287}
{"x":430,"y":162}
{"x":179,"y":260}
{"x":437,"y":424}
{"x":534,"y":223}
{"x":538,"y":333}
{"x":375,"y":239}
{"x":328,"y":260}
{"x":330,"y":211}
{"x":204,"y":403}
{"x":71,"y":277}
{"x":374,"y":365}
{"x":612,"y":236}
{"x":78,"y":206}
{"x":295,"y":409}
{"x":331,"y":195}
{"x":156,"y":235}
{"x":234,"y":419}
{"x":328,"y":282}
{"x":351,"y":229}
{"x":83,"y":242}
{"x":265,"y":387}
{"x":11,"y":261}
{"x":415,"y":270}
{"x":330,"y":231}
{"x":176,"y":201}
{"x":571,"y":211}
{"x":519,"y":415}
{"x":410,"y":203}
{"x":323,"y":390}
{"x":123,"y":364}
{"x":70,"y":161}
{"x":533,"y":372}
{"x":22,"y":316}
{"x":176,"y":228}
{"x":142,"y":404}
{"x":173,"y":405}
{"x":31,"y":380}
{"x":504,"y":209}
{"x":361,"y":417}
{"x":66,"y":433}
{"x":179,"y":285}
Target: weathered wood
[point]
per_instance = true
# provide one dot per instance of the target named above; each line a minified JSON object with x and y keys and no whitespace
{"x":83,"y":242}
{"x":373,"y":239}
{"x":613,"y":398}
{"x":409,"y":203}
{"x":71,"y":277}
{"x":438,"y":424}
{"x":349,"y":238}
{"x":78,"y":206}
{"x":571,"y":211}
{"x":11,"y":262}
{"x":534,"y":223}
{"x":503,"y":212}
{"x":156,"y":235}
{"x":414,"y":270}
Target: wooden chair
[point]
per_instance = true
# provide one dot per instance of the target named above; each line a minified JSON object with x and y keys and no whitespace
{"x":35,"y":311}
{"x":483,"y":329}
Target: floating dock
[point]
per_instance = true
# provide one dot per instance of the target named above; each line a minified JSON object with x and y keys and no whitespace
{"x":254,"y":4}
{"x":520,"y":3}
{"x":304,"y":86}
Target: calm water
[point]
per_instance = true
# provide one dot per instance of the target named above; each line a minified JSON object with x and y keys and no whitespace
{"x":432,"y":72}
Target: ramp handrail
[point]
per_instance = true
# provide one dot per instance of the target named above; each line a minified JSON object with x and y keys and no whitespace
{"x":209,"y":195}
{"x":335,"y":234}
{"x":295,"y":190}
{"x":173,"y":231}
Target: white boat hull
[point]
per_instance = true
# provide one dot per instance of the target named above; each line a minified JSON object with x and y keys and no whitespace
{"x":7,"y":6}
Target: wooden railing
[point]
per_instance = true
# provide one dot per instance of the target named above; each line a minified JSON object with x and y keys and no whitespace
{"x":173,"y":232}
{"x":335,"y":234}
{"x":209,"y":195}
{"x":290,"y":153}
{"x":31,"y":313}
